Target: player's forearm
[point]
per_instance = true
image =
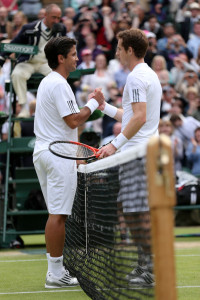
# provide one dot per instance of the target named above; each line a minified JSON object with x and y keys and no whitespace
{"x":119,"y":114}
{"x":130,"y":130}
{"x":75,"y":120}
{"x":134,"y":125}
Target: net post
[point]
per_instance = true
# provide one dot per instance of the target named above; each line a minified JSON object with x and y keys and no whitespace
{"x":161,"y":189}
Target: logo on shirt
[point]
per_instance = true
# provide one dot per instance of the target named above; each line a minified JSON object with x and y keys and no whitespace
{"x":136,"y":96}
{"x":71,"y":107}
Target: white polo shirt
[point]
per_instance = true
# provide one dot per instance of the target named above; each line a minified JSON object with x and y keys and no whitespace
{"x":55,"y":100}
{"x":142,"y":85}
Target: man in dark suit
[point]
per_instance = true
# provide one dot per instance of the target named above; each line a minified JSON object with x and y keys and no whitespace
{"x":37,"y":33}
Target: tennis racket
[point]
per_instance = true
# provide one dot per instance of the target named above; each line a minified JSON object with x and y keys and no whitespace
{"x":73,"y":150}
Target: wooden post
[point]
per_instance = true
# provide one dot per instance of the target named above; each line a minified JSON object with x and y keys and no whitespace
{"x":161,"y":188}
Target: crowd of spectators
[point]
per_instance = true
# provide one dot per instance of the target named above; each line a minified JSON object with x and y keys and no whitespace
{"x":173,"y":31}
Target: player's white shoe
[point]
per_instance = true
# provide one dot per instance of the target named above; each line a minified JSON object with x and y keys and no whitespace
{"x":65,"y":280}
{"x":146,"y":279}
{"x":139,"y":270}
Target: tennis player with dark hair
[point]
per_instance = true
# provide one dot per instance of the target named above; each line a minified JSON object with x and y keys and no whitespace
{"x":57,"y":117}
{"x":140,"y":118}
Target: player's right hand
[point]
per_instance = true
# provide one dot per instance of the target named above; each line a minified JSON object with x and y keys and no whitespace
{"x":99,"y":96}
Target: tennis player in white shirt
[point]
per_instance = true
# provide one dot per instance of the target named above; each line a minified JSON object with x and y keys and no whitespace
{"x":57,"y":117}
{"x":140,"y":115}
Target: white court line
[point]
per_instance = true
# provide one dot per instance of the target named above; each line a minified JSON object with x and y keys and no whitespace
{"x":44,"y":259}
{"x":188,"y":255}
{"x":39,"y":292}
{"x":188,"y":286}
{"x":22,"y":260}
{"x":64,"y":291}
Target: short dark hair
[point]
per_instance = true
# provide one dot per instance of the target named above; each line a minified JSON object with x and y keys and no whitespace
{"x":136,"y":39}
{"x":58,"y":45}
{"x":174,"y":118}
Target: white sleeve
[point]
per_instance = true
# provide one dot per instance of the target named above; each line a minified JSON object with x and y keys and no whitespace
{"x":65,"y":100}
{"x":137,"y":90}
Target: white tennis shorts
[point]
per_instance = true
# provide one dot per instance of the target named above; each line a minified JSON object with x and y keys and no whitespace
{"x":58,"y":181}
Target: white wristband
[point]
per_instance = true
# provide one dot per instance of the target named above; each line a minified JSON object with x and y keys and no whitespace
{"x":119,"y":141}
{"x":110,"y":110}
{"x":92,"y":105}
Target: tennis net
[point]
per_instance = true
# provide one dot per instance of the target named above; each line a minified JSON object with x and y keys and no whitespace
{"x":108,"y":235}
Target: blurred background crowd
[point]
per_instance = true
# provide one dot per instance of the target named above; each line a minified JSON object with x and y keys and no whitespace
{"x":173,"y":30}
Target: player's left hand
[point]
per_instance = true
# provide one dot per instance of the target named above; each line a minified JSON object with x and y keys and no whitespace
{"x":106,"y":151}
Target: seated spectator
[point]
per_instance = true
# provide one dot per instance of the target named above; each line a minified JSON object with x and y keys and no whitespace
{"x":178,"y":107}
{"x":86,"y":24}
{"x":190,"y":79}
{"x":87,"y":62}
{"x":31,"y":34}
{"x":193,"y":153}
{"x":116,"y":129}
{"x":153,"y":25}
{"x":123,"y":22}
{"x":5,"y":25}
{"x":101,"y":77}
{"x":181,"y":102}
{"x":165,"y":127}
{"x":120,"y":78}
{"x":175,"y":46}
{"x":11,"y":6}
{"x":167,"y":100}
{"x":90,"y":43}
{"x":30,"y":8}
{"x":184,"y":127}
{"x":190,"y":16}
{"x":136,"y":12}
{"x":19,"y":19}
{"x":160,"y":9}
{"x":181,"y":66}
{"x":69,"y":24}
{"x":41,"y":14}
{"x":169,"y":31}
{"x":105,"y":33}
{"x":69,"y":13}
{"x":193,"y":43}
{"x":159,"y":65}
{"x":114,"y":66}
{"x":152,"y":50}
{"x":191,"y":96}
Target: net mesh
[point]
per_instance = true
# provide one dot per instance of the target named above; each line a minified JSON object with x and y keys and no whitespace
{"x":108,"y":234}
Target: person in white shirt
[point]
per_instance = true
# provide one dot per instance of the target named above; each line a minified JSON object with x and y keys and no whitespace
{"x":57,"y":117}
{"x":140,"y":115}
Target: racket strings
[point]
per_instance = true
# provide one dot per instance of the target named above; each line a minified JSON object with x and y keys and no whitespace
{"x":71,"y":150}
{"x":84,"y":152}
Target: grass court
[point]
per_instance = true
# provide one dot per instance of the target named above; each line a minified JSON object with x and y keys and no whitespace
{"x":23,"y":271}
